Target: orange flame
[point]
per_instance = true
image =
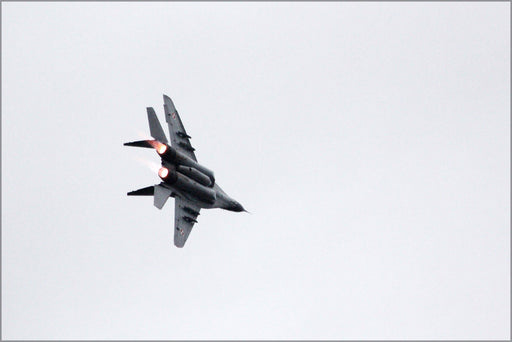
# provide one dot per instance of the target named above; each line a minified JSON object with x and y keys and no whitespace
{"x":158,"y":146}
{"x":149,"y":164}
{"x":163,"y":172}
{"x":161,"y":149}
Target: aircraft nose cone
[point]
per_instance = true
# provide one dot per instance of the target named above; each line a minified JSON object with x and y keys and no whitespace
{"x":238,"y":207}
{"x":234,"y":206}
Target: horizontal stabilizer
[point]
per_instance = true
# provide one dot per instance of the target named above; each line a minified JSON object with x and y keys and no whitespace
{"x":160,"y":196}
{"x":141,"y":143}
{"x":154,"y":126}
{"x":147,"y":191}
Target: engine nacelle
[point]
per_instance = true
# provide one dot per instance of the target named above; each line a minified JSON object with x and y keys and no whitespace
{"x":182,"y":182}
{"x":194,"y":174}
{"x":173,"y":156}
{"x":168,"y":175}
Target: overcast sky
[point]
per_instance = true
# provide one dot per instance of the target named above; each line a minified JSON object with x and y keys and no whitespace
{"x":370,"y":141}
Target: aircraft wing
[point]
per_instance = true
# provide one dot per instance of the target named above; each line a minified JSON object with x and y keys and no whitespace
{"x":179,"y":137}
{"x":185,"y":215}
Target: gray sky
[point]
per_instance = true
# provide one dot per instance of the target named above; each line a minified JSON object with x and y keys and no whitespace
{"x":370,"y":141}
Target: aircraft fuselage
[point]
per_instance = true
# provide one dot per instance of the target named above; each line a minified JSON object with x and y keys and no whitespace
{"x":185,"y":176}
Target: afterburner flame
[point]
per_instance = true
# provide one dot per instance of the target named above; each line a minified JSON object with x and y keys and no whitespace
{"x":163,"y":172}
{"x":158,"y":146}
{"x":149,"y":164}
{"x":161,"y":149}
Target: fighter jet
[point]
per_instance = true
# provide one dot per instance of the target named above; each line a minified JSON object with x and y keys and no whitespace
{"x":191,"y":184}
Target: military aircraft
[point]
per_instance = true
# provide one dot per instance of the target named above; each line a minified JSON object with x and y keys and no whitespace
{"x":191,"y":184}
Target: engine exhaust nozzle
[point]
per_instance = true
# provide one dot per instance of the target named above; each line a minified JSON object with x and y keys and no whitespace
{"x":163,"y":172}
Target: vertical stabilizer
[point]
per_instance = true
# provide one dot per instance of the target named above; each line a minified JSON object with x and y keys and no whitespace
{"x":160,"y":196}
{"x":154,"y":126}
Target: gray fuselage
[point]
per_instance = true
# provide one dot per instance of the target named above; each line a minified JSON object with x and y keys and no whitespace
{"x":195,"y":182}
